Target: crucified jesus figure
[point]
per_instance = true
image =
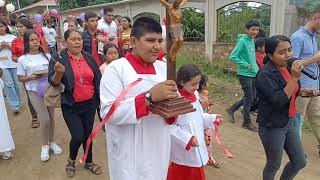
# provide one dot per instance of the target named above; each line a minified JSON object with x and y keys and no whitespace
{"x":175,"y":26}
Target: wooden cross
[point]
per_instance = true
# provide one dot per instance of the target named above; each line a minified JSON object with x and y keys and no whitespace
{"x":173,"y":107}
{"x":174,"y":33}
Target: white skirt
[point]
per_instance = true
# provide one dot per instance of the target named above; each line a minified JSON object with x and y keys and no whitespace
{"x":6,"y":141}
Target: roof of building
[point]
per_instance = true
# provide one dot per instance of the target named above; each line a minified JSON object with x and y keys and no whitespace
{"x":43,"y":3}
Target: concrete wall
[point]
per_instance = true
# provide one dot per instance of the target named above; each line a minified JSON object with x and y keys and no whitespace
{"x":132,"y":8}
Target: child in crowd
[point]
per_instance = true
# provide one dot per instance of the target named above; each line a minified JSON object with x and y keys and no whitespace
{"x":32,"y":70}
{"x":6,"y":141}
{"x":111,"y":53}
{"x":206,"y":104}
{"x":260,"y":52}
{"x":187,"y":163}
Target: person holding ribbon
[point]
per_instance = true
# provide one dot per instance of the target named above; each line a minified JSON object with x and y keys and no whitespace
{"x":32,"y":70}
{"x":138,"y":141}
{"x":189,"y":153}
{"x":80,"y":74}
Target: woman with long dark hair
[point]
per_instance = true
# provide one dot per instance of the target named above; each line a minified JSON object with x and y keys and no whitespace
{"x":32,"y":67}
{"x":17,"y":50}
{"x":80,"y":74}
{"x":277,"y":88}
{"x":11,"y":84}
{"x":124,"y":35}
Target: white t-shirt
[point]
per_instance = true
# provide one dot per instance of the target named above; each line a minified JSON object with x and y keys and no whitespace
{"x":5,"y":54}
{"x":29,"y":64}
{"x":111,"y":29}
{"x":50,"y":34}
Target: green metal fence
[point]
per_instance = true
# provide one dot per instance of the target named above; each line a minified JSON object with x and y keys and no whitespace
{"x":233,"y":17}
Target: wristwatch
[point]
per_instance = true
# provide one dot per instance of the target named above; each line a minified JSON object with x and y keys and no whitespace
{"x":148,"y":97}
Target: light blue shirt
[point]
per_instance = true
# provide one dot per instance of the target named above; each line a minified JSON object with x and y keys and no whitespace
{"x":304,"y":45}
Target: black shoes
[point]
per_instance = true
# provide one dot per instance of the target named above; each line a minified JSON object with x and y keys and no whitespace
{"x":250,"y":127}
{"x":231,"y":115}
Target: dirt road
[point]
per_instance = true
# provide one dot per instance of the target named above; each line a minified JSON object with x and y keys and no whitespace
{"x":246,"y":147}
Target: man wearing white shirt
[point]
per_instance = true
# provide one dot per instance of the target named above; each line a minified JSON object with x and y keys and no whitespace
{"x":107,"y":25}
{"x":50,"y":35}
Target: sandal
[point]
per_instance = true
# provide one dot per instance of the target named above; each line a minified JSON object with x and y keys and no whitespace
{"x":35,"y":123}
{"x":94,"y":168}
{"x":213,"y":163}
{"x":71,"y":168}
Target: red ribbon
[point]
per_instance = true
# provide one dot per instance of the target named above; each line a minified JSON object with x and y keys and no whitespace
{"x":114,"y":106}
{"x":217,"y":134}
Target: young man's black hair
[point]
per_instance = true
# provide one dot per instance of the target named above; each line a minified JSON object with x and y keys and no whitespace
{"x":107,"y":9}
{"x":260,"y":42}
{"x":145,"y":25}
{"x":252,"y":23}
{"x":89,"y":15}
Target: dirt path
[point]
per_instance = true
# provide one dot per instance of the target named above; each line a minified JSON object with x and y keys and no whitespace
{"x":245,"y":145}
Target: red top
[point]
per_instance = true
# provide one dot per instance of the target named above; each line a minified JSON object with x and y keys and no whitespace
{"x":17,"y":47}
{"x":83,"y":79}
{"x":187,"y":95}
{"x":259,"y":58}
{"x":95,"y":51}
{"x":161,"y":55}
{"x":292,"y":110}
{"x":39,"y":30}
{"x":138,"y":64}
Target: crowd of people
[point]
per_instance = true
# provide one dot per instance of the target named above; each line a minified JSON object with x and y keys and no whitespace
{"x":116,"y":71}
{"x":273,"y":85}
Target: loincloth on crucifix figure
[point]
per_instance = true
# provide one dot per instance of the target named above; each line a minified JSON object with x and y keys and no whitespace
{"x":173,"y":8}
{"x":176,"y":32}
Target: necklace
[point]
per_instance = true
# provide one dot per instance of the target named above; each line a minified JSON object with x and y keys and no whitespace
{"x":78,"y":66}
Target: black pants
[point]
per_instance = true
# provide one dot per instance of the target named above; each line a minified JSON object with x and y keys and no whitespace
{"x":274,"y":141}
{"x":80,"y":124}
{"x":249,"y":90}
{"x":31,"y":108}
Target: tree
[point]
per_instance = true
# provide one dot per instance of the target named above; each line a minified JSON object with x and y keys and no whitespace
{"x":70,"y":4}
{"x":23,"y":3}
{"x":232,"y":19}
{"x":193,"y":24}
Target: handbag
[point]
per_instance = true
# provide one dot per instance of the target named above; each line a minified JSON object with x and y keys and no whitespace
{"x":52,"y":96}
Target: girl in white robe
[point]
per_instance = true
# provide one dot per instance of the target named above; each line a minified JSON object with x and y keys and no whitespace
{"x":188,"y":148}
{"x":6,"y":141}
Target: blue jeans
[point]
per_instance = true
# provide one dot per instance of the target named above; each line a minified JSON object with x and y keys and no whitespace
{"x":274,"y":141}
{"x":298,"y":122}
{"x":11,"y":88}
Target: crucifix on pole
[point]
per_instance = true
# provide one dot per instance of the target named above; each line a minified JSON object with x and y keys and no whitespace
{"x":174,"y":107}
{"x":174,"y":33}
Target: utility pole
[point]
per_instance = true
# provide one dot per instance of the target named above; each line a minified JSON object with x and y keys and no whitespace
{"x":18,"y":4}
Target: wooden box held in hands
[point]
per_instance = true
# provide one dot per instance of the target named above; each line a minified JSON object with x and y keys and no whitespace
{"x":172,"y":108}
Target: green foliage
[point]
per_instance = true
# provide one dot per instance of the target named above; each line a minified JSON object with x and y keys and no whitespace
{"x":232,"y":19}
{"x":307,"y":5}
{"x":218,"y":70}
{"x":23,"y":3}
{"x":193,"y":24}
{"x":70,"y":4}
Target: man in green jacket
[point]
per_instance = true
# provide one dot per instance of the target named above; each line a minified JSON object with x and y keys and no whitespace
{"x":244,"y":56}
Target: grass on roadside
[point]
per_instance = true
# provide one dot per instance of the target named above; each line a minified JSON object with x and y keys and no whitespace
{"x":217,"y":69}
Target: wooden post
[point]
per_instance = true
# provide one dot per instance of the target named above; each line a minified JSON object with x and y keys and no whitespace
{"x":177,"y":106}
{"x":171,"y":64}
